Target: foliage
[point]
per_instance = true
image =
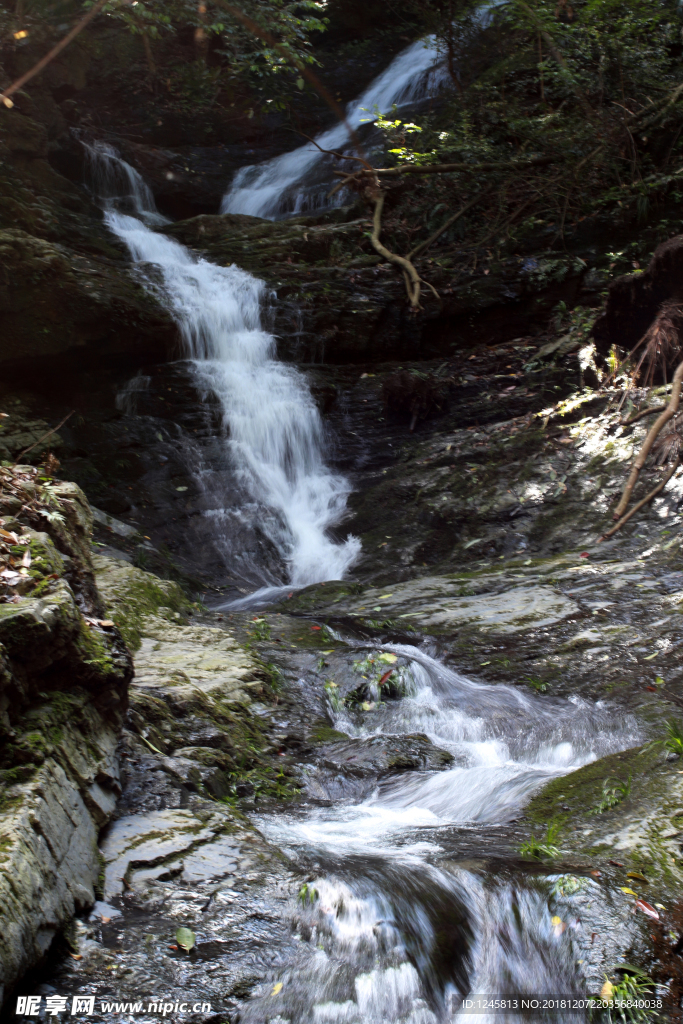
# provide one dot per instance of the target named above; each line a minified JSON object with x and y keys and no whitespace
{"x":589,"y":85}
{"x":228,"y":53}
{"x":623,"y":996}
{"x":674,"y":741}
{"x":613,"y":792}
{"x":543,"y":848}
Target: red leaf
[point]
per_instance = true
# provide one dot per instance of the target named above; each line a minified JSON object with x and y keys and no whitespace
{"x":584,"y":554}
{"x":385,"y":677}
{"x":617,"y":863}
{"x":315,"y":627}
{"x":596,"y":874}
{"x":652,"y":689}
{"x":647,"y":909}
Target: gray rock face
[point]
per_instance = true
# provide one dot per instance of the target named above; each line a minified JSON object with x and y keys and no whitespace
{"x":63,"y":695}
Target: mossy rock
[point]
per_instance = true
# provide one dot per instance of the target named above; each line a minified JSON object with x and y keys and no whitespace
{"x":642,"y":830}
{"x":131,"y":595}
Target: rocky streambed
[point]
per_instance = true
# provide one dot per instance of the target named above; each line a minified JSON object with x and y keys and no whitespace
{"x":335,"y":793}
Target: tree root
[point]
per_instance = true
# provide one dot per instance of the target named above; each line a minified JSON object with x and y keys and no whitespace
{"x":664,"y":417}
{"x":410,"y":275}
{"x":648,"y":497}
{"x":639,"y":415}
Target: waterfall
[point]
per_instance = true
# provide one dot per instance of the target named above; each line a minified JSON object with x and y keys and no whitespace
{"x":274,"y":429}
{"x":298,"y":181}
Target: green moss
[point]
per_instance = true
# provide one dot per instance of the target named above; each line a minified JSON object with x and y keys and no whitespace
{"x":132,"y":594}
{"x":94,"y":652}
{"x":325,"y":734}
{"x":575,"y":795}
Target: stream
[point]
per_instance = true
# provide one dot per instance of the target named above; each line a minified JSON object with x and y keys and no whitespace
{"x":398,"y":921}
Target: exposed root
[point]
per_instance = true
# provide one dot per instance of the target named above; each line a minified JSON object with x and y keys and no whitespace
{"x":648,"y":497}
{"x":662,"y":343}
{"x":639,"y":415}
{"x":410,"y":275}
{"x":664,"y":417}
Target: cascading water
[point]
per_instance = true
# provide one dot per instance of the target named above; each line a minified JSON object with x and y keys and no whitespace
{"x":394,"y":936}
{"x":274,"y":428}
{"x":298,"y":181}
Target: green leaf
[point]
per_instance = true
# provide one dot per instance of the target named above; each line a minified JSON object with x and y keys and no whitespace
{"x":185,"y":938}
{"x":299,"y":83}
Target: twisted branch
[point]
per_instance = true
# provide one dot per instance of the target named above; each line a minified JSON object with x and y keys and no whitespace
{"x":670,"y":411}
{"x":410,"y":274}
{"x":648,"y":497}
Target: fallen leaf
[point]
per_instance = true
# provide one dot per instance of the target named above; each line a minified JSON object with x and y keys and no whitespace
{"x":315,"y":627}
{"x":596,"y":874}
{"x":172,"y":947}
{"x":637,"y":874}
{"x":75,"y":956}
{"x":606,"y":991}
{"x":629,"y":892}
{"x":555,"y":921}
{"x":617,"y":863}
{"x":276,"y":988}
{"x":584,"y":554}
{"x":181,"y":488}
{"x":647,"y":909}
{"x":105,"y":920}
{"x":382,"y":597}
{"x":652,"y":689}
{"x":106,"y":623}
{"x":368,"y":705}
{"x":385,"y":677}
{"x":660,"y":906}
{"x":388,"y":659}
{"x":185,"y":938}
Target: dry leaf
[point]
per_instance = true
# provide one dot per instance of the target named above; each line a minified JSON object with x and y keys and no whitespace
{"x":276,"y":988}
{"x":647,"y":909}
{"x":629,"y":892}
{"x":606,"y":991}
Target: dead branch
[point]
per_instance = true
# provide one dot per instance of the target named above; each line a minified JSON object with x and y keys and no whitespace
{"x":399,"y":172}
{"x":648,"y":497}
{"x":444,"y":227}
{"x":664,"y":417}
{"x":639,"y":415}
{"x":44,"y":61}
{"x":411,"y":276}
{"x":333,"y":152}
{"x":41,"y":439}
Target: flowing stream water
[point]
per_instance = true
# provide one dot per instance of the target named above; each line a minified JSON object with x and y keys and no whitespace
{"x":398,"y":927}
{"x":298,"y":182}
{"x":397,"y":923}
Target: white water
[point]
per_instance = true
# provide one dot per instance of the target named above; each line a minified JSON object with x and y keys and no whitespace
{"x":274,"y":428}
{"x":373,"y":925}
{"x":298,"y":181}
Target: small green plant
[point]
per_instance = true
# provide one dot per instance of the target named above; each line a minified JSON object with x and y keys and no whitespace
{"x":307,"y":894}
{"x":674,"y":740}
{"x":634,"y":987}
{"x":260,"y":630}
{"x":569,"y":885}
{"x":542,"y":849}
{"x":613,"y":792}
